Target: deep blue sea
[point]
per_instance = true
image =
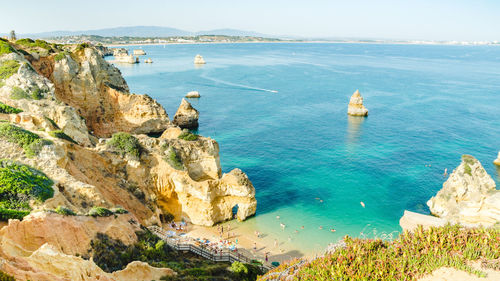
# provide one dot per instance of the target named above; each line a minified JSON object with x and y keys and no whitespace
{"x":428,"y":105}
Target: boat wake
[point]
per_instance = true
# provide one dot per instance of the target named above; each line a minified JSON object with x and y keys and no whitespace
{"x":238,"y":86}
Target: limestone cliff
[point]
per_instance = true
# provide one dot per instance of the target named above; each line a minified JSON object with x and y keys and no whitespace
{"x":356,"y":107}
{"x":72,"y":89}
{"x":186,"y":116}
{"x":497,"y":161}
{"x":468,"y":197}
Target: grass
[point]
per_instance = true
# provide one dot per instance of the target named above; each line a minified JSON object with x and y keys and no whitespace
{"x":9,"y":109}
{"x":8,"y":68}
{"x":468,"y":161}
{"x":82,"y":47}
{"x":18,"y":135}
{"x":36,"y":146}
{"x":5,"y":48}
{"x":19,"y":184}
{"x":173,"y":159}
{"x":27,"y":42}
{"x":188,"y":136}
{"x":4,"y":276}
{"x":60,"y":56}
{"x":112,"y":255}
{"x":119,"y":211}
{"x":61,"y":135}
{"x":124,"y":143}
{"x":64,"y":211}
{"x":409,"y":257}
{"x":18,"y":93}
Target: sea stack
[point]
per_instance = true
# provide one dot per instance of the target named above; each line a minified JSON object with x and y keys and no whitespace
{"x":186,"y":116}
{"x":199,"y":60}
{"x":139,"y":52}
{"x":497,"y":161}
{"x":469,"y":196}
{"x":193,"y":95}
{"x":356,"y":107}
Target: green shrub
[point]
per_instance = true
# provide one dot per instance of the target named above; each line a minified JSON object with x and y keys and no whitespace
{"x":9,"y":109}
{"x":36,"y":146}
{"x":6,"y":214}
{"x":60,"y":56}
{"x":100,"y":212}
{"x":64,"y":211}
{"x":61,"y":135}
{"x":6,"y":277}
{"x":19,"y":184}
{"x":173,"y":159}
{"x":8,"y":68}
{"x":52,"y":122}
{"x":125,"y":143}
{"x":82,"y":46}
{"x":27,"y":42}
{"x":18,"y":93}
{"x":36,"y":93}
{"x":119,"y":211}
{"x":17,"y":135}
{"x":5,"y":48}
{"x":188,"y":136}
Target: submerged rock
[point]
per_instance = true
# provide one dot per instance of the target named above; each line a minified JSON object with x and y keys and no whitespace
{"x":149,"y":60}
{"x":186,"y":116}
{"x":199,"y":60}
{"x":497,"y":161}
{"x":469,"y":196}
{"x":193,"y":95}
{"x":356,"y":107}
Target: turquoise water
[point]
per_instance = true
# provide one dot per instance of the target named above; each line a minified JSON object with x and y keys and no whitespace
{"x":428,"y":105}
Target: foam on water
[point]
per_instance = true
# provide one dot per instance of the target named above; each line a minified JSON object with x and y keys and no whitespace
{"x":428,"y":105}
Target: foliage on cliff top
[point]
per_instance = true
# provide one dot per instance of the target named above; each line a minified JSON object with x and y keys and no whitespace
{"x":27,"y":42}
{"x":125,"y":143}
{"x":61,"y":135}
{"x":100,"y":212}
{"x":8,"y":68}
{"x":188,"y":136}
{"x":9,"y":109}
{"x":61,"y":210}
{"x":19,"y":184}
{"x":173,"y":159}
{"x":406,"y":258}
{"x":30,"y":142}
{"x":5,"y":48}
{"x":6,"y":277}
{"x":111,"y":255}
{"x":18,"y":93}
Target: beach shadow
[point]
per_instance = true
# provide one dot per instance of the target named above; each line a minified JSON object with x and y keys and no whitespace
{"x":286,"y":256}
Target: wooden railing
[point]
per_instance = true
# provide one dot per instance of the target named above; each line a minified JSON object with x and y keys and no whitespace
{"x":224,"y":255}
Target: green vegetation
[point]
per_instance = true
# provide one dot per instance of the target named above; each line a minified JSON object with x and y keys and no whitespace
{"x":61,"y":135}
{"x":18,"y":93}
{"x":36,"y":93}
{"x":82,"y":46}
{"x":19,"y":136}
{"x":468,"y":161}
{"x":19,"y":184}
{"x":60,"y":56}
{"x":246,"y":272}
{"x":188,"y":136}
{"x":408,"y":257}
{"x":9,"y":109}
{"x":100,"y":212}
{"x":52,"y":122}
{"x":27,"y":42}
{"x":6,"y":277}
{"x":119,"y":211}
{"x":35,"y":147}
{"x":5,"y":48}
{"x":173,"y":159}
{"x":8,"y":68}
{"x":64,"y":211}
{"x":112,"y":255}
{"x":124,"y":143}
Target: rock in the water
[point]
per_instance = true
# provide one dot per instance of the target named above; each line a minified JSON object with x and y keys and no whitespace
{"x":469,"y":196}
{"x":497,"y":161}
{"x":199,"y":60}
{"x":149,"y":60}
{"x":139,"y":52}
{"x":186,"y":116}
{"x":193,"y":94}
{"x":356,"y":107}
{"x":410,"y":220}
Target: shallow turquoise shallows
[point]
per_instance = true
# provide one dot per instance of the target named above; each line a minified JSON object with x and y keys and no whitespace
{"x":427,"y":105}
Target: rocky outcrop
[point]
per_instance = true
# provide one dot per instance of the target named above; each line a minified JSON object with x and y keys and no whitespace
{"x":148,"y":60}
{"x":139,"y":52}
{"x":356,"y":107}
{"x":198,"y":59}
{"x":469,"y":196}
{"x":410,"y":221}
{"x":119,"y":52}
{"x":126,"y":59}
{"x":103,"y":50}
{"x":193,"y":95}
{"x":186,"y":116}
{"x":100,"y":94}
{"x":497,"y":161}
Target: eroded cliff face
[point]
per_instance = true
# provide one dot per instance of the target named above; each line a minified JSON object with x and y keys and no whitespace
{"x":85,"y":97}
{"x":468,"y":197}
{"x":86,"y":82}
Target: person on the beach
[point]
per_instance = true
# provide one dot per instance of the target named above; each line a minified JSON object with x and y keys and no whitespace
{"x":275,"y":243}
{"x":320,"y":227}
{"x":362,"y":204}
{"x":302,"y":227}
{"x":332,"y":229}
{"x":266,"y":258}
{"x":277,"y":217}
{"x":255,"y":246}
{"x":282,"y":226}
{"x":256,"y":234}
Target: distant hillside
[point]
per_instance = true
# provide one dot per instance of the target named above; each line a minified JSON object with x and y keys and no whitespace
{"x":141,"y":31}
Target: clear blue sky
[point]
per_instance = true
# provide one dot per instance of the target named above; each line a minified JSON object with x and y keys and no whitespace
{"x":391,"y":19}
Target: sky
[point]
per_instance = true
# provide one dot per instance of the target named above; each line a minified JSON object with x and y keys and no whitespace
{"x":471,"y":20}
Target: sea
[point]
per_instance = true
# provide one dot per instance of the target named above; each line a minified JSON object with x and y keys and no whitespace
{"x":279,"y":113}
